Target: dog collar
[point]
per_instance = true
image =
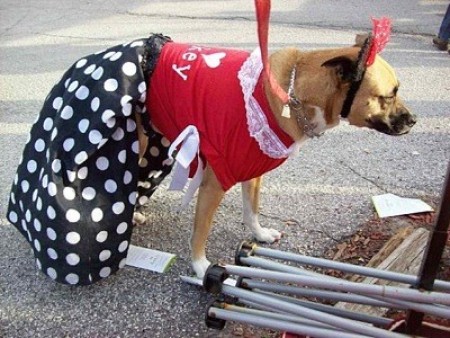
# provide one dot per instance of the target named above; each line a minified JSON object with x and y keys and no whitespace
{"x":296,"y":105}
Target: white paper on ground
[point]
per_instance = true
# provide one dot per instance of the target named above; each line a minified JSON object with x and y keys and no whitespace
{"x":388,"y":205}
{"x":153,"y":260}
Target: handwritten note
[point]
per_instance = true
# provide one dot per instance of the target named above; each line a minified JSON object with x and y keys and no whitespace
{"x":389,"y":205}
{"x":149,"y":259}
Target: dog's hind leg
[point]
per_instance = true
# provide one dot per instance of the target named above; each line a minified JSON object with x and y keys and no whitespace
{"x":210,"y":195}
{"x":250,"y":199}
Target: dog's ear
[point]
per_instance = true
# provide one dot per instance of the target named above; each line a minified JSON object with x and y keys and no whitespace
{"x":343,"y":65}
{"x":360,"y":39}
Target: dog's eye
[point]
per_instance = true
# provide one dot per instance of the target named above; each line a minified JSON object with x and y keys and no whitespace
{"x":387,"y":99}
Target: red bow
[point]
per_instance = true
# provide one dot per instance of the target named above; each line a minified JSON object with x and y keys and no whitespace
{"x":381,"y":33}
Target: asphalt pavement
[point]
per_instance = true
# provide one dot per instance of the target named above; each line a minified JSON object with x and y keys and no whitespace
{"x":318,"y":197}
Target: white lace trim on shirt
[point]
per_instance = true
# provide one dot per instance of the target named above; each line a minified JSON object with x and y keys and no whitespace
{"x":257,"y":123}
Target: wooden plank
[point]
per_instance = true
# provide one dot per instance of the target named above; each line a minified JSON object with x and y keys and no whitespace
{"x":406,"y":258}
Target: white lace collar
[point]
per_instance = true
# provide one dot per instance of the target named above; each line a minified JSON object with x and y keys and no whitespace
{"x":257,"y":123}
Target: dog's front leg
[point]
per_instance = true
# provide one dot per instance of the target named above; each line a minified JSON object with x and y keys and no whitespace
{"x":210,"y":195}
{"x":250,"y":199}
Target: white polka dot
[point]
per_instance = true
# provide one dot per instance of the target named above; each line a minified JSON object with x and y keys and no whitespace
{"x":101,"y":236}
{"x":81,"y":157}
{"x":51,"y":188}
{"x":48,"y":124}
{"x":35,"y":195}
{"x":122,"y":263}
{"x":31,"y":166}
{"x":13,"y":217}
{"x":118,"y":208}
{"x":37,"y":245}
{"x":116,"y":56}
{"x":135,"y":147}
{"x":51,"y":234}
{"x":37,"y":225}
{"x":52,"y":273}
{"x":111,"y":85}
{"x":66,"y":83}
{"x":122,"y":157}
{"x":132,"y":198}
{"x":82,"y":173}
{"x":52,"y":253}
{"x":127,"y":177}
{"x":68,"y":144}
{"x":83,"y":125}
{"x":73,"y":215}
{"x":137,"y":43}
{"x":118,"y":134}
{"x":110,"y":186}
{"x":97,"y":74}
{"x":38,"y":264}
{"x":142,"y":87}
{"x":73,"y":237}
{"x":95,"y":103}
{"x":121,"y":228}
{"x":105,"y":272}
{"x":39,"y":145}
{"x":39,"y":204}
{"x":80,"y":63}
{"x":56,"y":165}
{"x":165,"y":142}
{"x":108,"y":55}
{"x":54,"y":133}
{"x":25,"y":228}
{"x":102,"y":163}
{"x":107,"y":114}
{"x":89,"y":69}
{"x":45,"y":181}
{"x":12,"y":198}
{"x":143,"y":99}
{"x":125,"y":100}
{"x":123,"y":246}
{"x":131,"y":125}
{"x":73,"y":86}
{"x":154,"y":151}
{"x":129,"y":68}
{"x":28,"y":216}
{"x":71,"y":175}
{"x":88,"y":193}
{"x":72,"y":278}
{"x":95,"y":136}
{"x":50,"y":212}
{"x":82,"y":93}
{"x":57,"y":103}
{"x":69,"y":193}
{"x":127,"y":109}
{"x":143,"y":200}
{"x":72,"y":259}
{"x":104,"y":255}
{"x":25,"y":185}
{"x":67,"y":112}
{"x":97,"y":215}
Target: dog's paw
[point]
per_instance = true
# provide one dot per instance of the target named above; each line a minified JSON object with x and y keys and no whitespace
{"x":200,"y":266}
{"x":138,"y":218}
{"x":267,"y":235}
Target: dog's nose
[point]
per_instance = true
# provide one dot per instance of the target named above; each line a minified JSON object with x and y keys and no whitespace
{"x":403,"y":121}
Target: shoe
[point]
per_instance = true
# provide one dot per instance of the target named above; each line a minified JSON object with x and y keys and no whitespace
{"x":439,"y":43}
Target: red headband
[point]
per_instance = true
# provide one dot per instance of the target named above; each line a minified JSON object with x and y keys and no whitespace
{"x":381,"y":32}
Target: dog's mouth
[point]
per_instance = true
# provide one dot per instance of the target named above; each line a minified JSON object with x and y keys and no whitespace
{"x":396,"y":126}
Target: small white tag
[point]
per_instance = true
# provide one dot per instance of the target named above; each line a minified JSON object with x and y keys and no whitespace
{"x":149,"y":259}
{"x":388,"y":205}
{"x":286,"y":111}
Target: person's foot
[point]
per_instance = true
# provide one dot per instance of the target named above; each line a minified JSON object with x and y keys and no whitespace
{"x":439,"y":43}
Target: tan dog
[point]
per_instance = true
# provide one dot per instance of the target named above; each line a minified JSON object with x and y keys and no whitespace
{"x":321,"y":85}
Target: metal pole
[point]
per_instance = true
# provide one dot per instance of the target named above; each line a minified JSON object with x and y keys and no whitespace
{"x":358,"y":288}
{"x":309,"y":292}
{"x":350,"y":268}
{"x":277,"y":324}
{"x":345,"y":324}
{"x":433,"y":254}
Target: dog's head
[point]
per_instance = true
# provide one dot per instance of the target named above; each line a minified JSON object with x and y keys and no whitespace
{"x":376,"y":103}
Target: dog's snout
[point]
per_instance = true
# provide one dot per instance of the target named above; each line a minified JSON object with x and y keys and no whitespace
{"x":403,"y":121}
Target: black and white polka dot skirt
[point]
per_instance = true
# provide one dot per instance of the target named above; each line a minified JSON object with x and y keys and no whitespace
{"x":76,"y":186}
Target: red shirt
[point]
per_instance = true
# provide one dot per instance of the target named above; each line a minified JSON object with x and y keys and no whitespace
{"x":196,"y":85}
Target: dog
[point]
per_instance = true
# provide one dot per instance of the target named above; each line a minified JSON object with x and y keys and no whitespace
{"x":114,"y":125}
{"x":322,"y":81}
